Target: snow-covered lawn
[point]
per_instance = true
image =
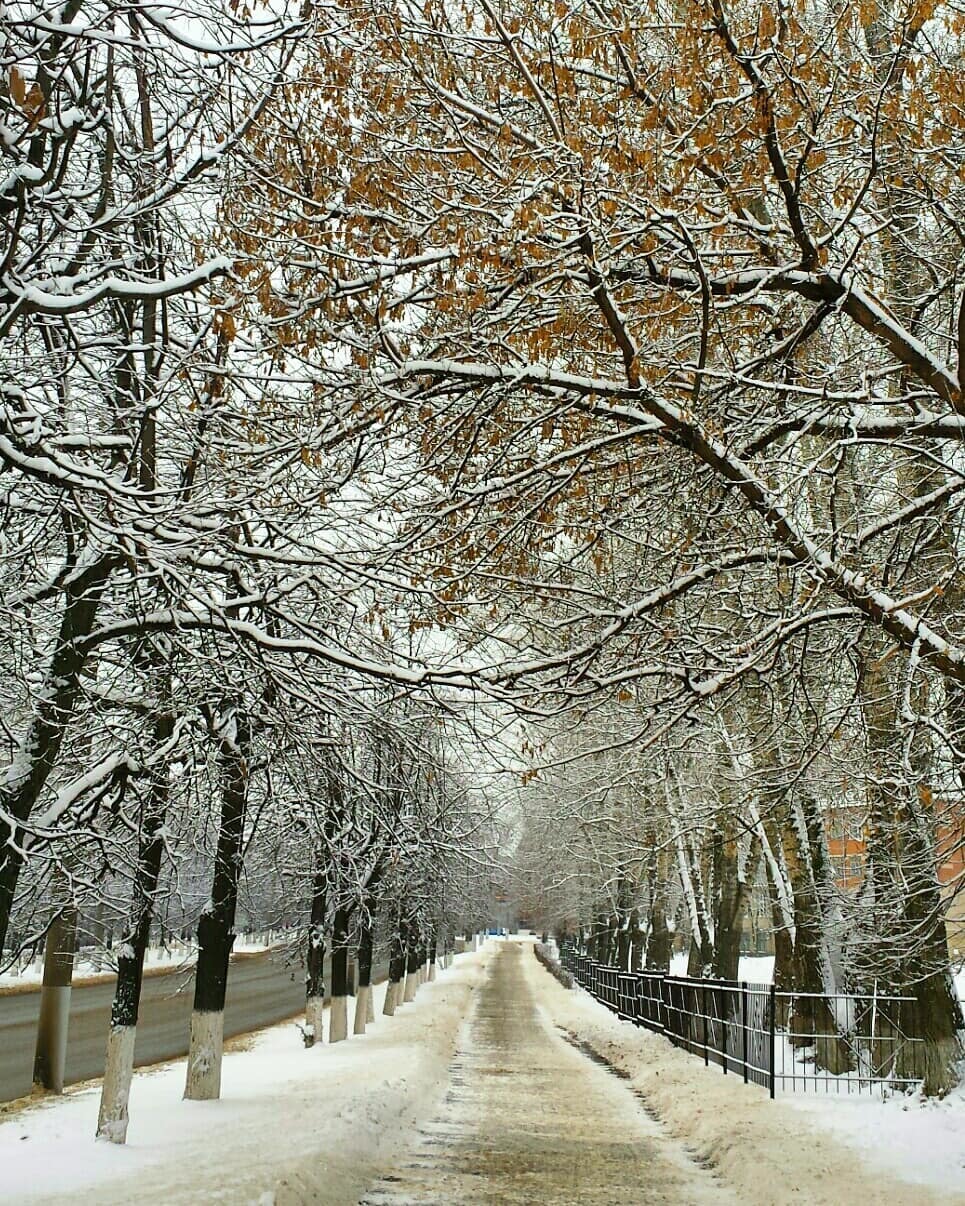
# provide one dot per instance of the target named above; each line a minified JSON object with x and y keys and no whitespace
{"x":319,"y":1123}
{"x":755,"y":969}
{"x":759,"y":969}
{"x":822,"y":1151}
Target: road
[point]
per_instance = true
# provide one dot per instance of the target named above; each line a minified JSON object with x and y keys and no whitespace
{"x":261,"y":990}
{"x":529,"y":1118}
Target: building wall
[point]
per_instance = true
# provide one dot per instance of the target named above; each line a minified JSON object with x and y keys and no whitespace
{"x":847,"y":849}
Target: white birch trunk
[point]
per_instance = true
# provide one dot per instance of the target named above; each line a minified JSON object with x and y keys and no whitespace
{"x":204,"y":1056}
{"x":112,"y":1117}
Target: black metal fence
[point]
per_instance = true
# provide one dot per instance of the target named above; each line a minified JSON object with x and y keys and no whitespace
{"x":800,"y":1042}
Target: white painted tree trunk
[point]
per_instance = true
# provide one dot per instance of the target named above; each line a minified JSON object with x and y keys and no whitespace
{"x":370,"y":1006}
{"x":363,"y":1003}
{"x":338,"y":1019}
{"x":116,"y":1090}
{"x":204,"y":1056}
{"x":388,"y":1007}
{"x":314,"y":1011}
{"x":432,"y":972}
{"x":52,"y":1034}
{"x":410,"y":987}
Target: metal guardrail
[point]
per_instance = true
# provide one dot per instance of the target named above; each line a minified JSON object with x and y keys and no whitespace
{"x":802,"y":1042}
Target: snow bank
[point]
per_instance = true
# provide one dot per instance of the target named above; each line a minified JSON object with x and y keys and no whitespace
{"x":292,"y":1125}
{"x":775,"y":1153}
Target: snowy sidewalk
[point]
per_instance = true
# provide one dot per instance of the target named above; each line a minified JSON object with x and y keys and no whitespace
{"x":293,"y":1125}
{"x":807,"y":1152}
{"x":528,"y":1120}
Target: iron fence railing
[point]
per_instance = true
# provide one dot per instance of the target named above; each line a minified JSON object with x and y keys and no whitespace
{"x":798,"y":1042}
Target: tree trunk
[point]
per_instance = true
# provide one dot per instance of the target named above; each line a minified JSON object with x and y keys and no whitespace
{"x":51,"y":1054}
{"x":701,"y":956}
{"x":734,"y":887}
{"x":935,"y":1017}
{"x":315,"y":957}
{"x":112,"y":1119}
{"x":908,"y":941}
{"x":598,"y":940}
{"x":411,"y":972}
{"x":338,"y":1009}
{"x":638,"y":941}
{"x":659,"y":939}
{"x":363,"y":1002}
{"x":622,"y":936}
{"x":216,"y":925}
{"x":396,"y":970}
{"x":40,"y":744}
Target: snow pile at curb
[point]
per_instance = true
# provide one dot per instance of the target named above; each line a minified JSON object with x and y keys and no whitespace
{"x":293,"y":1125}
{"x":559,"y":973}
{"x":770,"y":1152}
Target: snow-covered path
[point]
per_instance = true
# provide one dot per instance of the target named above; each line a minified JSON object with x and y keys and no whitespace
{"x":529,"y":1118}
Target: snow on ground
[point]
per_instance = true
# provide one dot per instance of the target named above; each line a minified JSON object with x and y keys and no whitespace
{"x":92,"y":967}
{"x":755,"y":969}
{"x":918,"y":1140}
{"x":821,"y":1151}
{"x":292,"y":1125}
{"x":759,"y":969}
{"x":86,"y":968}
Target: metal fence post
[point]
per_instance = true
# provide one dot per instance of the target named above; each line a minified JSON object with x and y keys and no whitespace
{"x":773,"y":1000}
{"x":744,"y":1027}
{"x":706,"y":1049}
{"x":725,"y":1011}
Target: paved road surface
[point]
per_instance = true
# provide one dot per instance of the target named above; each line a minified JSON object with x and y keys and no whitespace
{"x":527,"y":1118}
{"x":261,"y":990}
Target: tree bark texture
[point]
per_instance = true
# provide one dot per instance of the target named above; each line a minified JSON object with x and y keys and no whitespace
{"x":216,"y":925}
{"x":112,"y":1118}
{"x":55,"y":707}
{"x":51,"y":1054}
